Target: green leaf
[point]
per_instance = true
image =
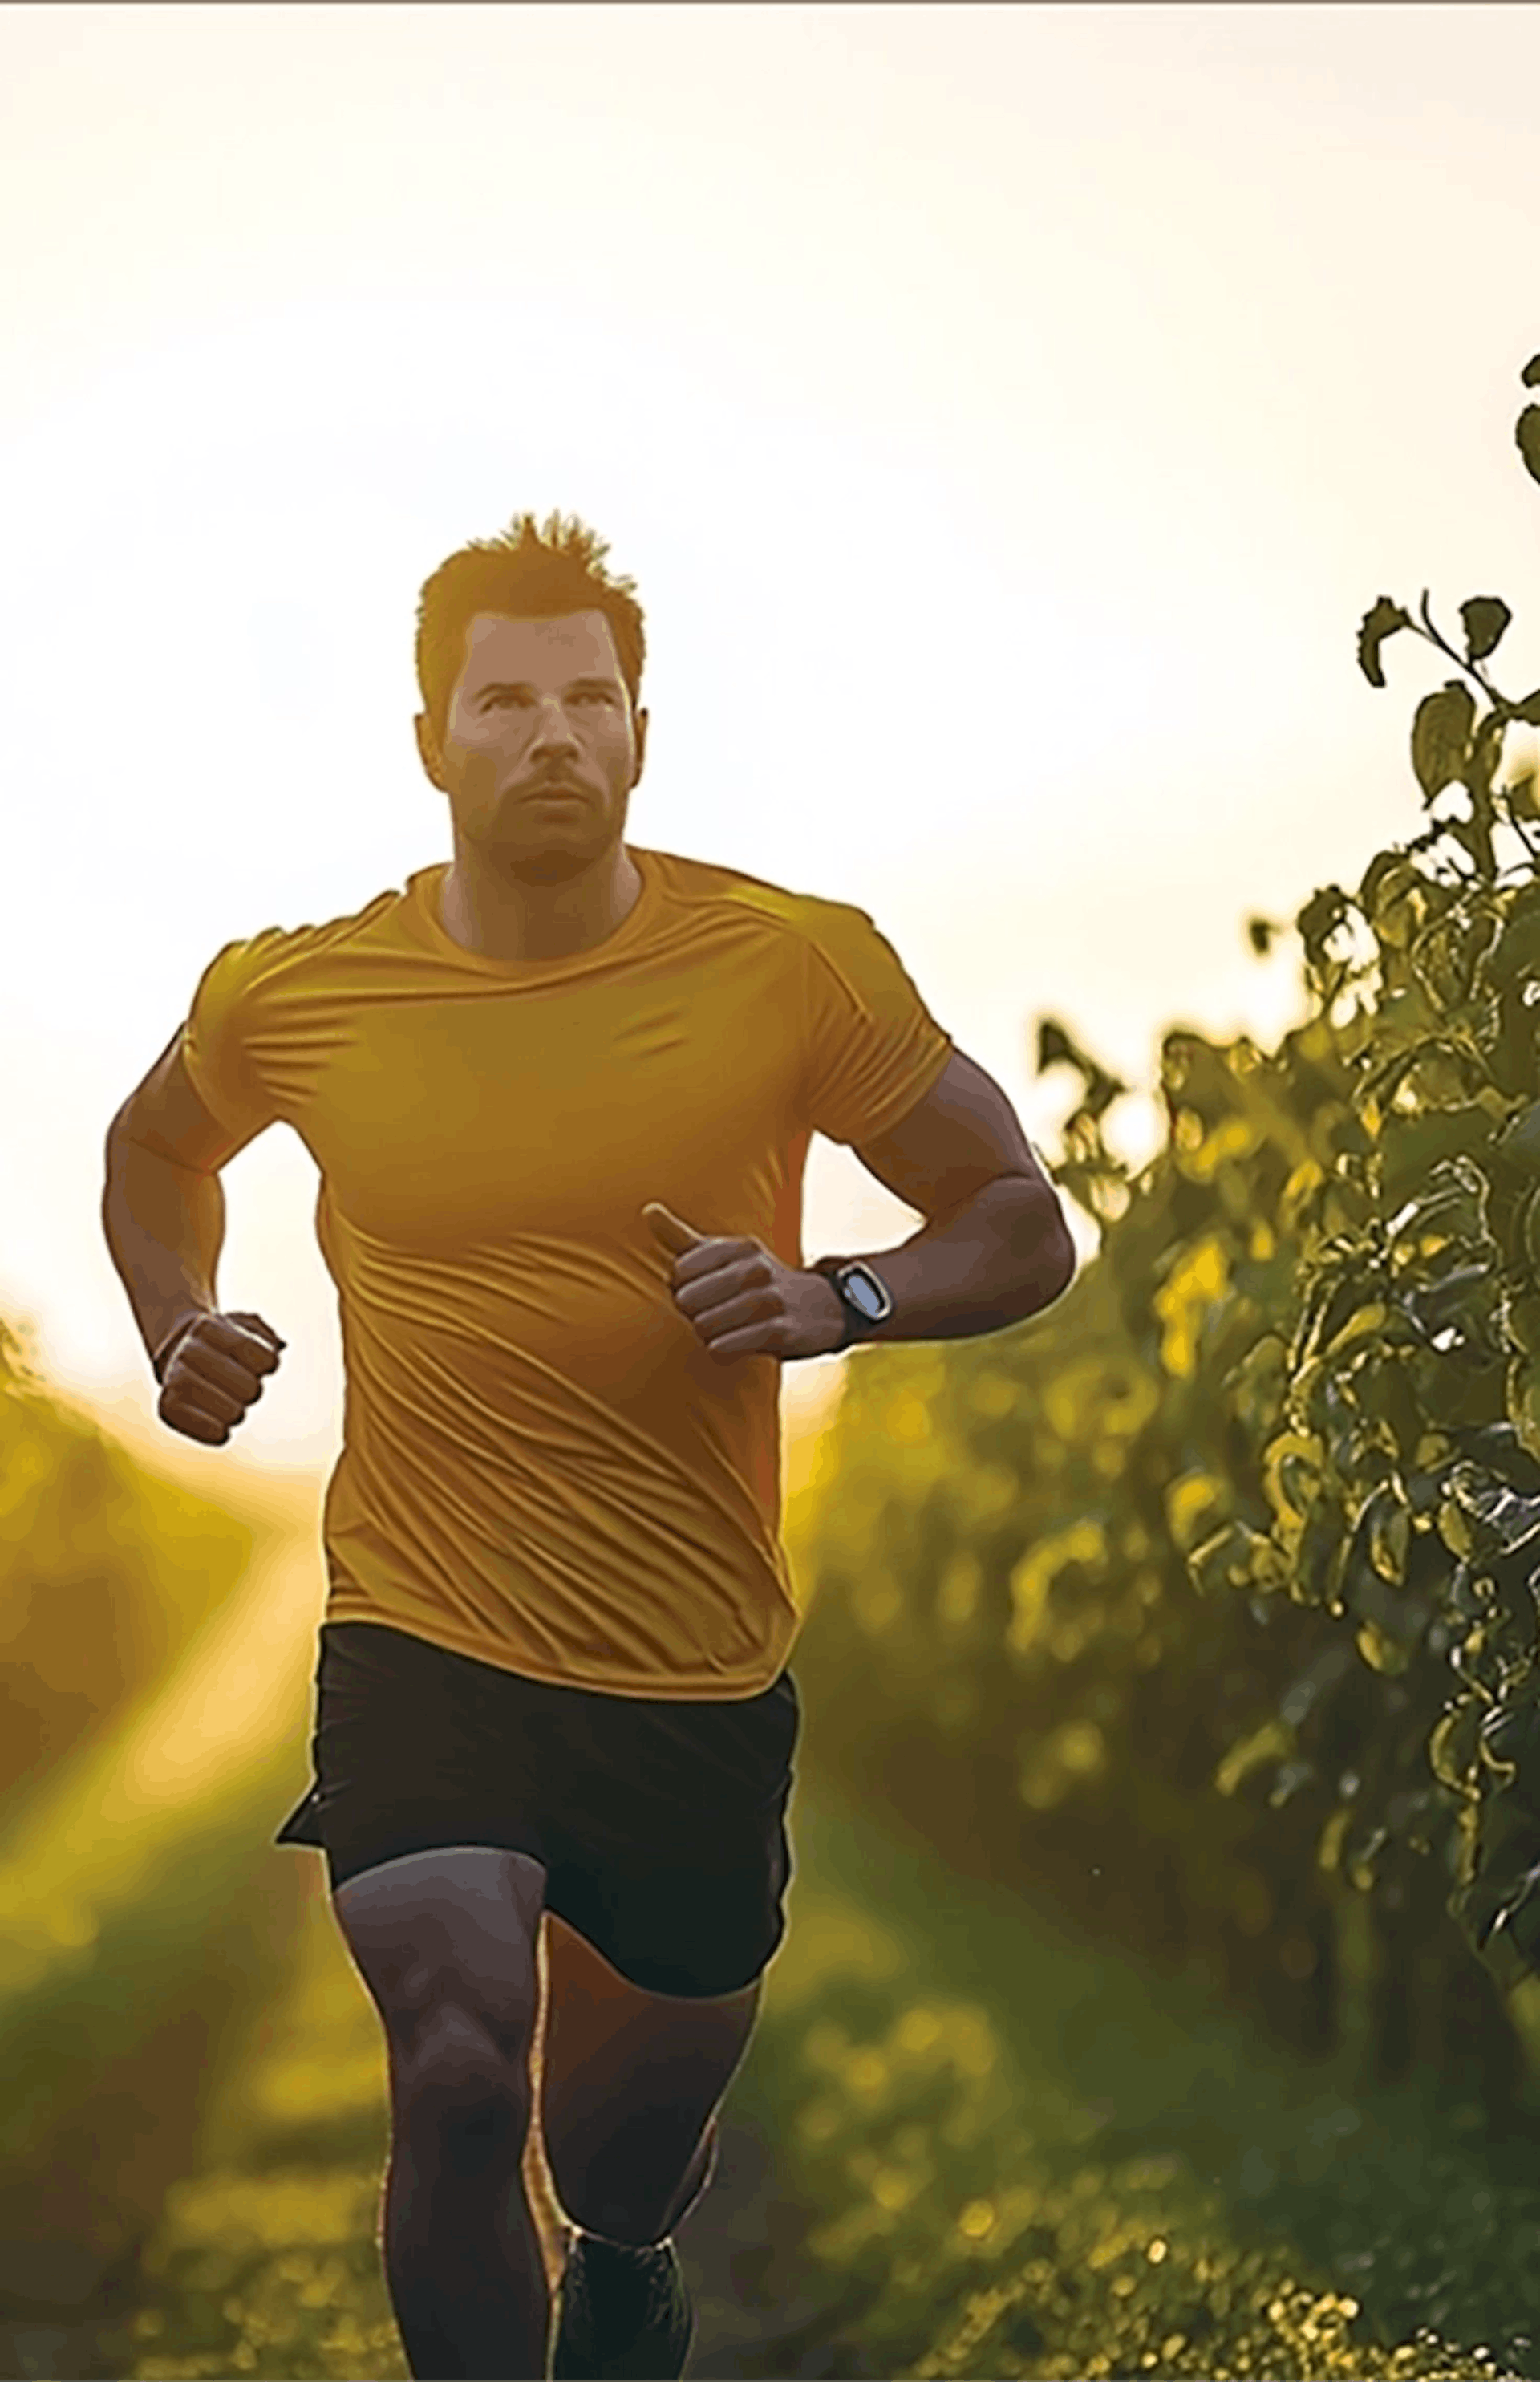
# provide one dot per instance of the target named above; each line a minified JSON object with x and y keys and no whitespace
{"x":1526,"y":432}
{"x":1319,"y":919}
{"x":1530,"y":373}
{"x":1504,"y":1520}
{"x":1511,"y":1734}
{"x":1411,"y":1147}
{"x":1485,"y":618}
{"x":1394,"y":897}
{"x":1382,"y":620}
{"x":1528,"y":710}
{"x":1260,"y":933}
{"x":1520,"y":1144}
{"x":1441,"y":734}
{"x":1054,"y":1045}
{"x":1494,"y":1912}
{"x":1517,"y":951}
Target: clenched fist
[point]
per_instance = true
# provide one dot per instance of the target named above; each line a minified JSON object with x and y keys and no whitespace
{"x":741,"y":1298}
{"x":215,"y":1372}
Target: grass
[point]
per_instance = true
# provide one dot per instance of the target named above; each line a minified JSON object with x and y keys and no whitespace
{"x":1034,"y":2159}
{"x":265,"y":2263}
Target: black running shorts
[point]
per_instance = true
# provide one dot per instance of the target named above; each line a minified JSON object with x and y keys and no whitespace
{"x":661,"y":1825}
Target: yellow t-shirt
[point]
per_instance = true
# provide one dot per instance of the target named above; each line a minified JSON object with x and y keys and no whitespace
{"x":543,"y":1467}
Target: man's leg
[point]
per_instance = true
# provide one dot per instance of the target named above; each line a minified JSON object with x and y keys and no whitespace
{"x":632,"y":2086}
{"x":547,"y":2214}
{"x":446,"y":1943}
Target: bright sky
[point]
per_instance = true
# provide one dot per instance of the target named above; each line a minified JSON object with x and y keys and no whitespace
{"x":1007,"y":415}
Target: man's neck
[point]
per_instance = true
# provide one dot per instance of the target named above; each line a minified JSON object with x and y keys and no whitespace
{"x":499,"y":921}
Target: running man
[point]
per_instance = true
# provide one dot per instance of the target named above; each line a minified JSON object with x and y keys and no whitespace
{"x":560,"y":1092}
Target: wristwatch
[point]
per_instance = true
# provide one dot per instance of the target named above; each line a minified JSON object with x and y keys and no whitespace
{"x":863,"y":1295}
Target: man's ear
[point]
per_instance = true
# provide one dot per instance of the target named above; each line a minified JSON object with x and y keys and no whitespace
{"x":427,"y":747}
{"x":641,"y":742}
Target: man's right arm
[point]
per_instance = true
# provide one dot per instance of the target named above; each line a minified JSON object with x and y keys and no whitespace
{"x":164,"y":1225}
{"x":163,"y":1215}
{"x":162,"y":1210}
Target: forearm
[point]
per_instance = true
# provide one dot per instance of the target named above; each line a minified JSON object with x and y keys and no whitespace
{"x":1004,"y":1256}
{"x":164,"y":1226}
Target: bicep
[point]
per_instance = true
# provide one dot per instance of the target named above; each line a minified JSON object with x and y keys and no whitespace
{"x":166,"y":1115}
{"x":962,"y":1134}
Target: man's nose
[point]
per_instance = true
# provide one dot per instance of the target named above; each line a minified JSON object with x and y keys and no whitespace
{"x":552,"y":725}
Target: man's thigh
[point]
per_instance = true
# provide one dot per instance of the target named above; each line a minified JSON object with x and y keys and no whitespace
{"x":452,"y":1930}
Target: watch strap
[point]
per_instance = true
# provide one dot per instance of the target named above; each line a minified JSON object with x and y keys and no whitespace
{"x":857,"y":1320}
{"x":830,"y":1268}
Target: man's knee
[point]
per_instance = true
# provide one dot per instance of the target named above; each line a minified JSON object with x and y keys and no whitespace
{"x":457,"y":2094}
{"x":446,"y":1943}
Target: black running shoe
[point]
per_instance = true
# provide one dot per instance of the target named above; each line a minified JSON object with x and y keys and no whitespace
{"x":623,"y":2315}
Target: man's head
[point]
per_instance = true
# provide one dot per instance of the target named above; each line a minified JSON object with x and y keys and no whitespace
{"x":529,"y":657}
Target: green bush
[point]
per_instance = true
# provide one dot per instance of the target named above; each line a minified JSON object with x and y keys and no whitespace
{"x":1206,"y":1602}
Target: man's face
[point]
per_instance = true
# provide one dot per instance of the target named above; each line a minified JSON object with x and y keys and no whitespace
{"x":540,"y":707}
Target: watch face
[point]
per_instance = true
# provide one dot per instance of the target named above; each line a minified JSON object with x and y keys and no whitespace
{"x":862,"y":1292}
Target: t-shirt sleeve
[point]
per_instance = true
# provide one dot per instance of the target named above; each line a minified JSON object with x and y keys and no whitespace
{"x":872,"y":1047}
{"x":218,"y":1040}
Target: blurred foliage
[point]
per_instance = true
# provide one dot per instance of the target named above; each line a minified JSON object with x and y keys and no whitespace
{"x":137,"y":1939}
{"x":267,"y":2262}
{"x":106,"y":1574}
{"x":967,"y":2251}
{"x":144,"y":1914}
{"x":1205,"y":1602}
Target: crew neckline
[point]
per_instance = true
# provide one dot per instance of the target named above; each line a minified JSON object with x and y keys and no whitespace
{"x":428,"y":883}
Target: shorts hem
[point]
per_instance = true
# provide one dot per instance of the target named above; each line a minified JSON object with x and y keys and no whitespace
{"x":702,"y":1689}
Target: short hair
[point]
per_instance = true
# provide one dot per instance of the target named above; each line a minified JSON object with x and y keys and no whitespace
{"x":530,"y":574}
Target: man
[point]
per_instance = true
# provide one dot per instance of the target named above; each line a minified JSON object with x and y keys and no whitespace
{"x":560,"y":1093}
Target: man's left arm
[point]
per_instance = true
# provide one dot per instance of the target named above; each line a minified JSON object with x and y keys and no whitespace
{"x":995,"y":1247}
